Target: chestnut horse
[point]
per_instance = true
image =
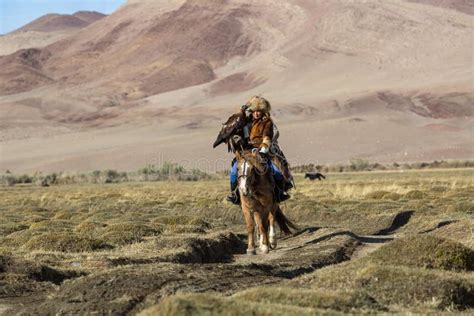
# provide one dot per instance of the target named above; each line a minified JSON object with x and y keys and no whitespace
{"x":256,"y":186}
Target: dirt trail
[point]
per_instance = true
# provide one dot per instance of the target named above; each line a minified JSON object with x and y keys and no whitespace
{"x":355,"y":246}
{"x":303,"y":239}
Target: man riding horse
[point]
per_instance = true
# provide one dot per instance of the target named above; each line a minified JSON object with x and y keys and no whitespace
{"x":259,"y":171}
{"x":253,"y":129}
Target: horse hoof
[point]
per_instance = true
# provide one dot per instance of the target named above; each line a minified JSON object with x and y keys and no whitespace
{"x":251,"y":252}
{"x":273,"y":242}
{"x":264,"y":249}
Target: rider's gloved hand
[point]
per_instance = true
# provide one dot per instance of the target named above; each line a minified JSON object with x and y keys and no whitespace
{"x":263,"y":150}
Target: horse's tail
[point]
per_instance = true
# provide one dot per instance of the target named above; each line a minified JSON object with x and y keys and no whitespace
{"x":285,"y":224}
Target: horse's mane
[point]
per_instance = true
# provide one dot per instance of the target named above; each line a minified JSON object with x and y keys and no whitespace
{"x":259,"y":163}
{"x":256,"y":160}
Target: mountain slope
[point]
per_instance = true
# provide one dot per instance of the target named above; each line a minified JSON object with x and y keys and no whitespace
{"x":184,"y":65}
{"x":465,"y":6}
{"x":205,"y":35}
{"x":60,"y":22}
{"x":46,"y":30}
{"x":89,"y":16}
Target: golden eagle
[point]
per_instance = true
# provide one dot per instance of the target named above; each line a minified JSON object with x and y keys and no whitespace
{"x":232,"y":130}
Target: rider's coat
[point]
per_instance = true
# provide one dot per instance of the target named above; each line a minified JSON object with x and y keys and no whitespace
{"x":261,"y":133}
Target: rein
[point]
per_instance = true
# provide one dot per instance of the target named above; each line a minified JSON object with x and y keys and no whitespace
{"x":249,"y":178}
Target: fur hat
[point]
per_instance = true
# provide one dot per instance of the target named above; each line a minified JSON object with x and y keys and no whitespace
{"x":258,"y":103}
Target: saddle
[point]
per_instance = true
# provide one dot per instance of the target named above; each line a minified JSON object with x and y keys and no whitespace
{"x":275,"y":154}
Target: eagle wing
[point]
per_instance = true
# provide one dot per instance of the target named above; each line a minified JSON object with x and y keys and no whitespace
{"x":233,"y":126}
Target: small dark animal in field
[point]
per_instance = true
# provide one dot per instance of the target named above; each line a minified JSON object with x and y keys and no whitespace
{"x":314,"y":175}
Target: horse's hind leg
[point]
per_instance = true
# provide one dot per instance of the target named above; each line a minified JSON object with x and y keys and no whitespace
{"x":272,"y":232}
{"x":263,"y":228}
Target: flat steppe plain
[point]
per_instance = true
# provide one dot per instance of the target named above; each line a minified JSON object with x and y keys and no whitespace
{"x":368,"y":242}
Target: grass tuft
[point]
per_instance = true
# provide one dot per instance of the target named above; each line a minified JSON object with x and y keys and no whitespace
{"x":206,"y":304}
{"x":415,"y":286}
{"x":426,"y":251}
{"x":344,"y":301}
{"x":65,"y":242}
{"x":128,"y":233}
{"x":415,"y":195}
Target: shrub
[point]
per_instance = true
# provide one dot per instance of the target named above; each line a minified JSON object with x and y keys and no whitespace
{"x":10,"y":180}
{"x":170,"y":171}
{"x":113,"y":176}
{"x":25,"y":179}
{"x":358,"y":164}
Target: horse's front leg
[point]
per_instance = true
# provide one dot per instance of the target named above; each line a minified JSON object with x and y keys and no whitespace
{"x":250,"y":229}
{"x":262,"y":224}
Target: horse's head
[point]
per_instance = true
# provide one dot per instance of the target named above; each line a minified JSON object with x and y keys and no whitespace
{"x":250,"y":166}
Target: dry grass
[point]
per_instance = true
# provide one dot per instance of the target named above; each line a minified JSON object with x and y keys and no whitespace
{"x":344,"y":301}
{"x":92,"y":228}
{"x":202,"y":304}
{"x":65,"y":242}
{"x":426,"y":251}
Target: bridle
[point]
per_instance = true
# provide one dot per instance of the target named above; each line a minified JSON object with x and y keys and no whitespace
{"x":245,"y":189}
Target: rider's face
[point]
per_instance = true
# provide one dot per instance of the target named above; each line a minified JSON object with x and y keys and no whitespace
{"x":257,"y":114}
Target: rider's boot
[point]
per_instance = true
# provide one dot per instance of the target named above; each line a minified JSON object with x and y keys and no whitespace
{"x":234,"y":195}
{"x":280,"y":190}
{"x":281,"y":195}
